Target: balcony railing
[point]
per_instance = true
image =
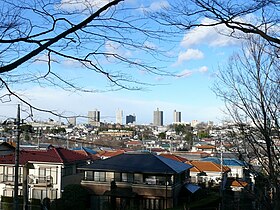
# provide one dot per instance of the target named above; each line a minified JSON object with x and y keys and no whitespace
{"x":40,"y":180}
{"x":9,"y":178}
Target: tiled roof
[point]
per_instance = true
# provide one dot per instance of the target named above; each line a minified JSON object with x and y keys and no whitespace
{"x":226,"y":161}
{"x":139,"y":162}
{"x":53,"y":155}
{"x":205,"y":166}
{"x":86,"y":149}
{"x":206,"y":147}
{"x":92,"y":156}
{"x":238,"y":183}
{"x":174,"y":157}
{"x":109,"y":154}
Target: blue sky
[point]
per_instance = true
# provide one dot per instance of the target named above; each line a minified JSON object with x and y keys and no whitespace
{"x":195,"y":58}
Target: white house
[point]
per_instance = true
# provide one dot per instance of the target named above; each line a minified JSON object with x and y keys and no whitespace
{"x":46,"y":172}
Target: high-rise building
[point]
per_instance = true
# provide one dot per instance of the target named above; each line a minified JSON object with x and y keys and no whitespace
{"x":158,"y":118}
{"x":119,"y":116}
{"x":94,"y":117}
{"x":130,"y":119}
{"x":194,"y":123}
{"x":176,"y":117}
{"x":72,"y":121}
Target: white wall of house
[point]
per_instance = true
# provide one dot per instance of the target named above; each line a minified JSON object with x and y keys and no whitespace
{"x":236,"y":172}
{"x":211,"y":175}
{"x":45,"y":180}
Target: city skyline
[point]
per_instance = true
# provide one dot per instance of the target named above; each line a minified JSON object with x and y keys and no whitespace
{"x":191,"y":60}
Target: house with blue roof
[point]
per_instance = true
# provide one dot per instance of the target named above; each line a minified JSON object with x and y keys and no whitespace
{"x":135,"y":181}
{"x":238,"y":167}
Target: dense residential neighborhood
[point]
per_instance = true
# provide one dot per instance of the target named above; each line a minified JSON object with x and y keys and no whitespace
{"x":139,"y":169}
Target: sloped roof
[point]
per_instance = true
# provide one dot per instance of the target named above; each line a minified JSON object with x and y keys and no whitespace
{"x":174,"y":157}
{"x":192,"y":187}
{"x":206,"y":147}
{"x":109,"y":154}
{"x":86,"y":149}
{"x":52,"y":155}
{"x":139,"y":163}
{"x":205,"y":166}
{"x":226,"y":161}
{"x":239,"y":183}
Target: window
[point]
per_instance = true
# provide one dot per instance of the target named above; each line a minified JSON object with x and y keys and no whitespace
{"x":127,"y":177}
{"x":117,"y":177}
{"x":10,"y":174}
{"x":1,"y":173}
{"x":9,"y":192}
{"x":48,"y":175}
{"x":99,"y":176}
{"x":39,"y":194}
{"x":109,"y":176}
{"x":54,"y":194}
{"x":138,"y":178}
{"x":151,"y":180}
{"x":89,"y":175}
{"x":53,"y":174}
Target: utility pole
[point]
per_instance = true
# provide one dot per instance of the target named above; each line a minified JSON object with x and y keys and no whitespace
{"x":16,"y":203}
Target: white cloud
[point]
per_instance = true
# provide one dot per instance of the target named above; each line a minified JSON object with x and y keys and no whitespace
{"x":203,"y":69}
{"x":81,"y":5}
{"x":187,"y":73}
{"x":155,"y":6}
{"x":190,"y":54}
{"x":212,"y":36}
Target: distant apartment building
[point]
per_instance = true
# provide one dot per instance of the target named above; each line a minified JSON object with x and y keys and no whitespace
{"x":130,"y":119}
{"x":119,"y":116}
{"x":158,"y":118}
{"x":94,"y":117}
{"x":176,"y":117}
{"x":194,"y":123}
{"x":72,"y":121}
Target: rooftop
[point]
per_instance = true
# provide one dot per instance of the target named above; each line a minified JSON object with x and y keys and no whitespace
{"x":52,"y":155}
{"x":139,"y":162}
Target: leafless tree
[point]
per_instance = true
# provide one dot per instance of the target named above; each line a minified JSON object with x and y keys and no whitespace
{"x":249,"y":17}
{"x":250,"y":89}
{"x":85,"y":33}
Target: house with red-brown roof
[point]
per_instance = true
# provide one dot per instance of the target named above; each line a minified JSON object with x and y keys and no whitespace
{"x":206,"y":171}
{"x":174,"y":157}
{"x":46,"y":171}
{"x":111,"y":153}
{"x":204,"y":148}
{"x":134,"y":144}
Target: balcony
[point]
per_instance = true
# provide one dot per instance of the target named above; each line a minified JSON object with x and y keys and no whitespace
{"x":9,"y":179}
{"x":40,"y":181}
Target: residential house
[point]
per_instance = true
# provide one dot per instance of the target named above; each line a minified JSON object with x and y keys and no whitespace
{"x":47,"y":172}
{"x":135,"y":180}
{"x":207,"y":172}
{"x":238,"y":167}
{"x":204,"y":148}
{"x":134,"y":144}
